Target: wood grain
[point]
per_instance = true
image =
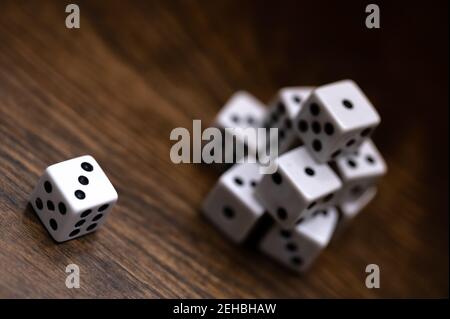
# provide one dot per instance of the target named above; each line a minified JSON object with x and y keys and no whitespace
{"x":135,"y":70}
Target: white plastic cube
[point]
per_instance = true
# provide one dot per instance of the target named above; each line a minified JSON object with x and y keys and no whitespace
{"x":284,"y":108}
{"x":360,"y":170}
{"x":335,"y":120}
{"x":231,"y":205}
{"x":351,"y":208}
{"x":73,"y":198}
{"x":242,"y":110}
{"x":299,"y":247}
{"x":299,"y":187}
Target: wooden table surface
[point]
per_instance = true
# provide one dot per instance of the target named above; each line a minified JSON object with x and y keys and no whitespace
{"x":117,"y":86}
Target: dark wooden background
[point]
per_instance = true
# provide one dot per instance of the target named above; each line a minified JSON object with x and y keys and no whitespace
{"x":135,"y":70}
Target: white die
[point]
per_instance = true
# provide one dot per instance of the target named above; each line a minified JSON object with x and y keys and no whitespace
{"x":298,"y":248}
{"x":283,"y":109}
{"x":242,"y":110}
{"x":360,"y":170}
{"x":231,"y":205}
{"x":298,"y":188}
{"x":335,"y":120}
{"x":349,"y":209}
{"x":73,"y":198}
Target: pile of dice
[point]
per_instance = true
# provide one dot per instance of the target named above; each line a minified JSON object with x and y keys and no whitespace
{"x":327,"y":170}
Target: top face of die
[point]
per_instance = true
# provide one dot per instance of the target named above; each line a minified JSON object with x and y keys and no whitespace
{"x":293,"y":98}
{"x":347,"y":105}
{"x":241,"y":110}
{"x":320,"y":228}
{"x":367,"y":162}
{"x":82,"y":183}
{"x":241,"y":180}
{"x":312,"y":179}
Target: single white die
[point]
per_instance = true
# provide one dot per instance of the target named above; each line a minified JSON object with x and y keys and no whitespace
{"x":241,"y":111}
{"x":73,"y":198}
{"x":231,"y":205}
{"x":335,"y":120}
{"x":360,"y":170}
{"x":299,"y":247}
{"x":298,"y":188}
{"x":349,"y":209}
{"x":284,"y":108}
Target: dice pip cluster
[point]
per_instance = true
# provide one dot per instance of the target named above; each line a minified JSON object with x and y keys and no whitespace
{"x":327,"y":171}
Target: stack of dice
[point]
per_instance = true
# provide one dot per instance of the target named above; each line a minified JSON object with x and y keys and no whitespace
{"x":327,"y":171}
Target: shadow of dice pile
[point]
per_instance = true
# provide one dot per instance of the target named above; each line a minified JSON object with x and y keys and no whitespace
{"x":327,"y":169}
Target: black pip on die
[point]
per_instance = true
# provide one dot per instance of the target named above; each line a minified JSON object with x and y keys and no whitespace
{"x":73,"y":198}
